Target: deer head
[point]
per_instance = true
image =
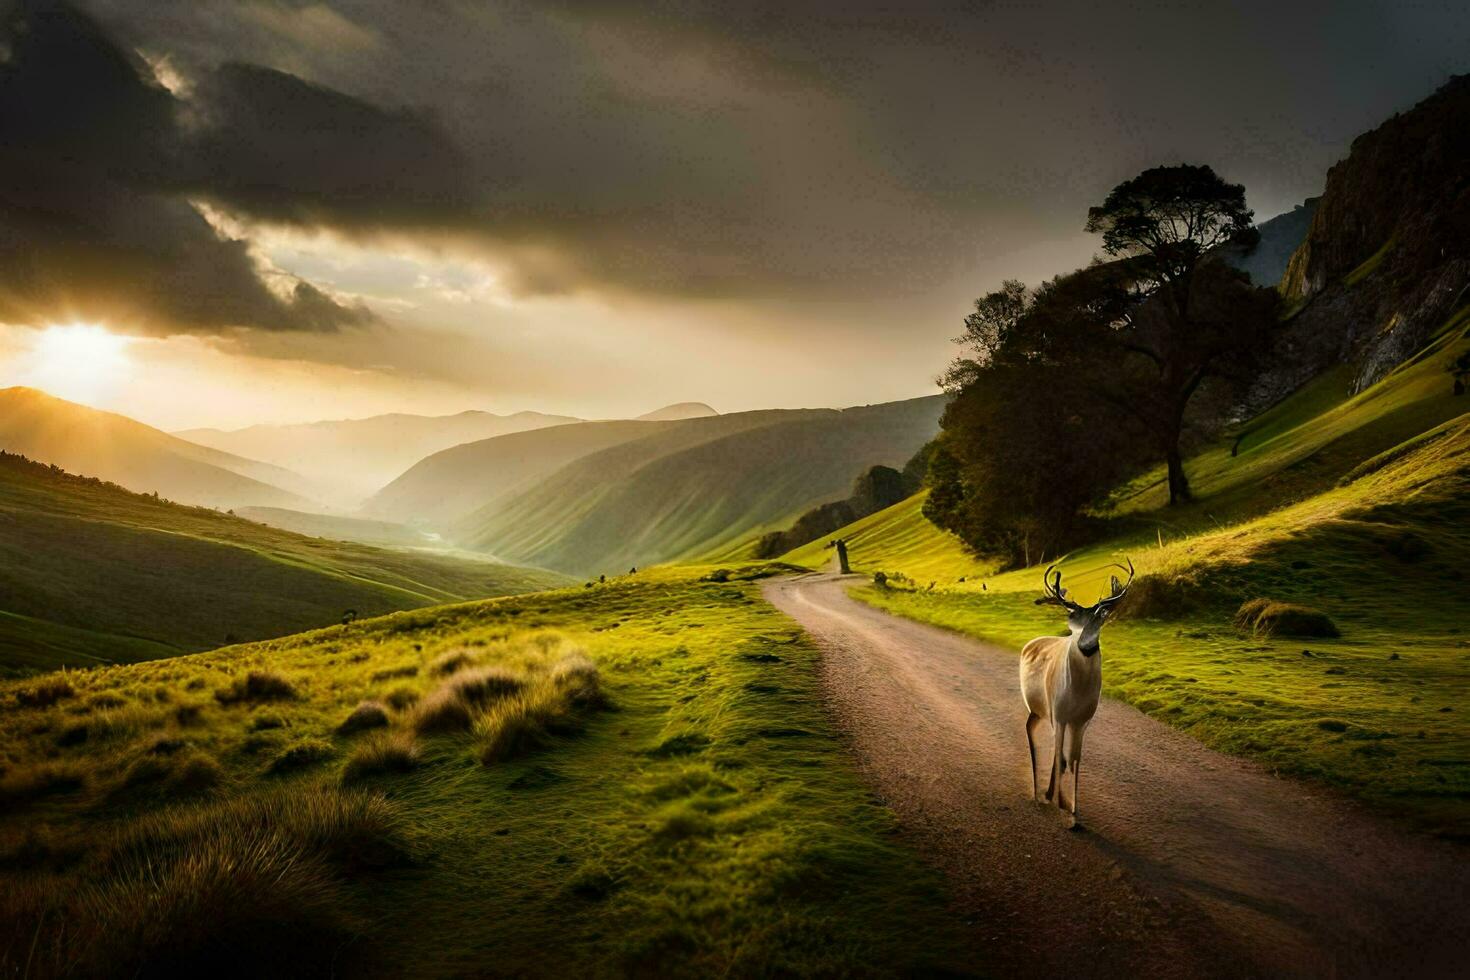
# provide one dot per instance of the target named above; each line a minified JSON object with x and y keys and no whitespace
{"x":1085,"y":622}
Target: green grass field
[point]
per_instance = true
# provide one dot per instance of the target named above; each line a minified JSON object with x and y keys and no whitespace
{"x":91,"y":573}
{"x":647,"y":783}
{"x":1358,"y":507}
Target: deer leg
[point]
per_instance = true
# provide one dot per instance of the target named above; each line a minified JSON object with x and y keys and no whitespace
{"x":1031,"y":722}
{"x":1076,"y":771}
{"x":1056,"y":764}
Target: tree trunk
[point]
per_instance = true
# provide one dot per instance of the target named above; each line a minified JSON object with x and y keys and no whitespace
{"x":1178,"y":482}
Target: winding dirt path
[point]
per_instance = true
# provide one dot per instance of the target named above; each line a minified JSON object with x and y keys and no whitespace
{"x":1191,"y":863}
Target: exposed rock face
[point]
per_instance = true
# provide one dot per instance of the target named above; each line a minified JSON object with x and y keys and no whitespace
{"x":1387,"y":257}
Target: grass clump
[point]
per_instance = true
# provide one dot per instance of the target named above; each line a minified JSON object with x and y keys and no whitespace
{"x":441,"y":712}
{"x":257,"y":686}
{"x":26,"y":783}
{"x":401,"y":698}
{"x":554,"y":705}
{"x":450,"y":661}
{"x":1267,"y":617}
{"x":256,"y":886}
{"x":45,"y":693}
{"x":484,"y":685}
{"x":385,"y":754}
{"x":300,"y":755}
{"x":367,"y":714}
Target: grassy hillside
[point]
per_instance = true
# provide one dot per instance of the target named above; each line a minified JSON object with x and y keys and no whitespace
{"x":899,"y":539}
{"x":385,"y":533}
{"x":357,"y":457}
{"x":90,"y":572}
{"x":633,"y":779}
{"x":696,"y":490}
{"x":131,"y":454}
{"x":448,"y":485}
{"x":1357,"y":507}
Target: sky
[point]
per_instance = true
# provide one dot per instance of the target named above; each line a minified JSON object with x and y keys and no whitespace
{"x":221,"y":213}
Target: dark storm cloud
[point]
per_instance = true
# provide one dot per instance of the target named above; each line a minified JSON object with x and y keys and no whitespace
{"x":95,"y":169}
{"x":782,"y":151}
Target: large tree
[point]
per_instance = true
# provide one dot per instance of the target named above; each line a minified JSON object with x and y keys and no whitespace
{"x":1187,"y":314}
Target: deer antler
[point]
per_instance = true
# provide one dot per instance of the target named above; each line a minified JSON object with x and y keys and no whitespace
{"x":1120,"y":589}
{"x":1055,"y":594}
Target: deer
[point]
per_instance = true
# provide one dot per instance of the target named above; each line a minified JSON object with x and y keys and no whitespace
{"x":1061,"y":680}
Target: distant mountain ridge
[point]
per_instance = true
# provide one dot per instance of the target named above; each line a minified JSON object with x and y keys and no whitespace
{"x":679,"y":410}
{"x":139,"y":457}
{"x":695,"y":487}
{"x":353,"y":458}
{"x":1280,"y":237}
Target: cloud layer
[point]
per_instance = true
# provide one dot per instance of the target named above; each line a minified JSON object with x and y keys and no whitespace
{"x":858,"y":156}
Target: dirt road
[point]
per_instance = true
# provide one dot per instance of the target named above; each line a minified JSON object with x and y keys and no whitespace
{"x":1190,"y":863}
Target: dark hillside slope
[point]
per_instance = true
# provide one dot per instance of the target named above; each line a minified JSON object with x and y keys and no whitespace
{"x":452,"y":483}
{"x":144,"y":459}
{"x":1387,"y":258}
{"x":90,"y":572}
{"x":655,"y":500}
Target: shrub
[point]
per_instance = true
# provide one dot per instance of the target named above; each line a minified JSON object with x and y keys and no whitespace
{"x":367,"y":714}
{"x":1161,"y":595}
{"x":880,"y":579}
{"x":384,"y":754}
{"x":1267,"y":617}
{"x":301,"y":755}
{"x":258,"y":685}
{"x":45,"y":693}
{"x":450,"y":661}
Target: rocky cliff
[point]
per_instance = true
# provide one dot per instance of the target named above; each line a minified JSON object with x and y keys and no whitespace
{"x":1386,"y":259}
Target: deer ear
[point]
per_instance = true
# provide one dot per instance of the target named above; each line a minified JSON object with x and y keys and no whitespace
{"x":1117,"y":586}
{"x":1047,"y":600}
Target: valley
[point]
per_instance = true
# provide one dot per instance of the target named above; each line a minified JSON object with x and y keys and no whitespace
{"x":382,"y":593}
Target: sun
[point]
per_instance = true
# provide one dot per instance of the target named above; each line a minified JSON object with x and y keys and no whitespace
{"x":79,"y":361}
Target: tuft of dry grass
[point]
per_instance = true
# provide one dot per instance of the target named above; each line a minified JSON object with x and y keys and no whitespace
{"x":402,"y":697}
{"x":1267,"y":617}
{"x":301,"y":755}
{"x":384,"y":754}
{"x":442,"y":711}
{"x":486,"y":684}
{"x":258,"y":685}
{"x":526,"y":721}
{"x":30,"y":782}
{"x":450,"y":661}
{"x":255,"y":886}
{"x":46,"y":692}
{"x":367,"y":714}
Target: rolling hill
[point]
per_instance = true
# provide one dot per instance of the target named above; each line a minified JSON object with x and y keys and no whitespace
{"x":144,"y":459}
{"x":90,"y":572}
{"x":450,"y":484}
{"x":697,"y":487}
{"x":355,"y":457}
